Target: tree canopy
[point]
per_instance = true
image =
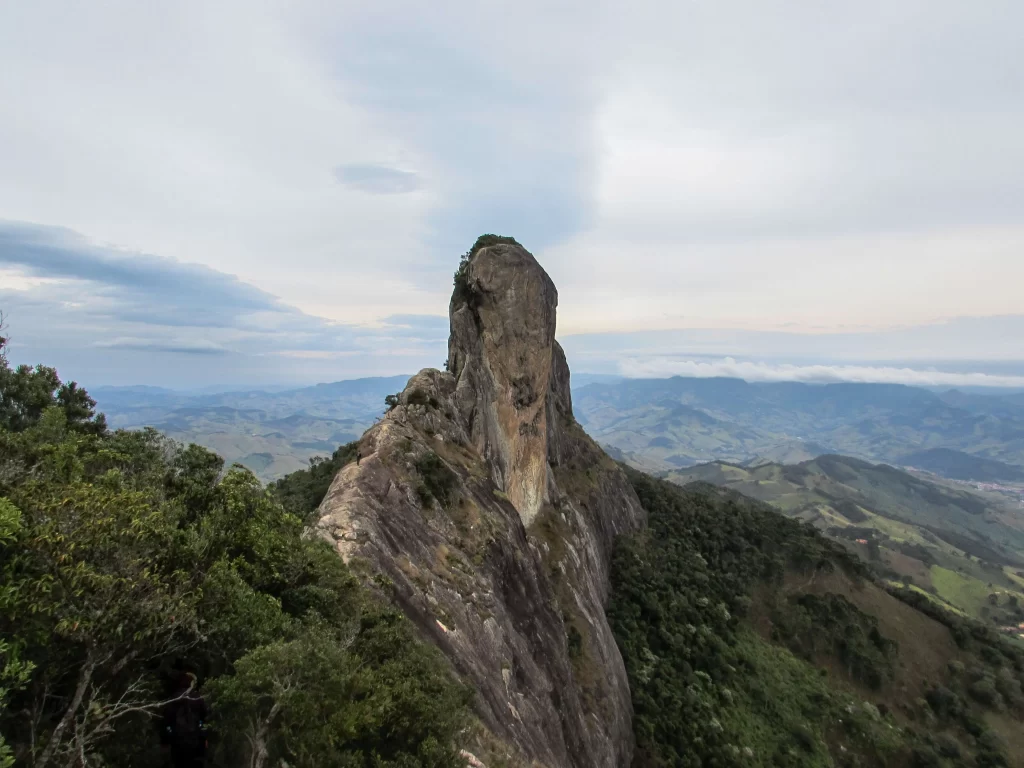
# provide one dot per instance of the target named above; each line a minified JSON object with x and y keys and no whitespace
{"x":127,"y":560}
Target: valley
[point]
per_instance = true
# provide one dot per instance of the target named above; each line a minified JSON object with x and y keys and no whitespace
{"x":668,"y":424}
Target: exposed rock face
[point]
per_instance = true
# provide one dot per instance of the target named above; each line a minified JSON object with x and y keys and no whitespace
{"x":500,"y":350}
{"x":492,"y":516}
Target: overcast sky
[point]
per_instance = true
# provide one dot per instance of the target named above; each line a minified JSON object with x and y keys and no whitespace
{"x":198,"y":193}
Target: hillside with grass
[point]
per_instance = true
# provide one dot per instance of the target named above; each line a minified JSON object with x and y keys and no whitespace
{"x":959,"y":548}
{"x":751,"y":639}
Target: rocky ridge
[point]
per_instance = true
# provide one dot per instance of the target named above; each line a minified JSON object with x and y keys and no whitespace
{"x":489,"y":516}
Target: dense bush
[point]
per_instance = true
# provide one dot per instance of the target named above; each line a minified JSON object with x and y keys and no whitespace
{"x":126,"y":560}
{"x":816,"y":626}
{"x":461,"y":292}
{"x":420,"y":397}
{"x":437,"y":482}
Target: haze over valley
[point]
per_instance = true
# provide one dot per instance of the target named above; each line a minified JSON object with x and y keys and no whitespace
{"x":653,"y":424}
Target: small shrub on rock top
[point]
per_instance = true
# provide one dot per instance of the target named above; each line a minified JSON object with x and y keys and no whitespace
{"x":484,"y":241}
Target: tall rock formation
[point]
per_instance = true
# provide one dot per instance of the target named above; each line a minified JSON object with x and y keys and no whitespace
{"x":502,"y":351}
{"x":489,"y":516}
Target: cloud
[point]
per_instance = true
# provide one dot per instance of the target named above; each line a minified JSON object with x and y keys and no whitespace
{"x":97,"y":309}
{"x":741,"y":120}
{"x":819,"y":374}
{"x":221,"y":158}
{"x":136,"y":286}
{"x":183,"y":347}
{"x":62,"y":272}
{"x":749,"y":164}
{"x":969,"y":340}
{"x":507,"y":135}
{"x":377,"y":179}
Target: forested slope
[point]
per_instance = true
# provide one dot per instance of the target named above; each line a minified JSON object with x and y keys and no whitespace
{"x":136,"y":573}
{"x":751,"y":639}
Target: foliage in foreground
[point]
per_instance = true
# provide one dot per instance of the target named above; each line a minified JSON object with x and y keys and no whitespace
{"x":708,"y":690}
{"x":126,"y":559}
{"x":301,"y":492}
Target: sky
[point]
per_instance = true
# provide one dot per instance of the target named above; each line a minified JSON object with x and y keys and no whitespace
{"x":229,"y":193}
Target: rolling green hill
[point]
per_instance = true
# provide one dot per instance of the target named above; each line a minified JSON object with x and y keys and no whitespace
{"x":953,"y":544}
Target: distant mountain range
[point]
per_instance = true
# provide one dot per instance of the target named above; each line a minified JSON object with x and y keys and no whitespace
{"x":653,"y":424}
{"x":666,"y":424}
{"x":958,"y":465}
{"x":271,"y":433}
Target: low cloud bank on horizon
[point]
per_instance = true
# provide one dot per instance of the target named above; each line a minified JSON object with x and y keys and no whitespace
{"x":812,"y":374}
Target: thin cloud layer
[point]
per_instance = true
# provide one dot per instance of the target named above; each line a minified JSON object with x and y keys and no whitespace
{"x":997,"y":339}
{"x":812,"y":374}
{"x":134,"y":286}
{"x":90,"y":307}
{"x":377,"y":179}
{"x":184,"y":347}
{"x":82,"y":306}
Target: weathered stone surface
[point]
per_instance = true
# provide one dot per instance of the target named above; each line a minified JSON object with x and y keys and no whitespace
{"x":500,"y":350}
{"x":507,"y":572}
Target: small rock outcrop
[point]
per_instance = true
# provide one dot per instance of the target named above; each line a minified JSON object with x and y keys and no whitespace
{"x":489,"y":516}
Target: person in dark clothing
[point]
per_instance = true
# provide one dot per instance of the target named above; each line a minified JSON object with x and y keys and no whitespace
{"x":184,"y":725}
